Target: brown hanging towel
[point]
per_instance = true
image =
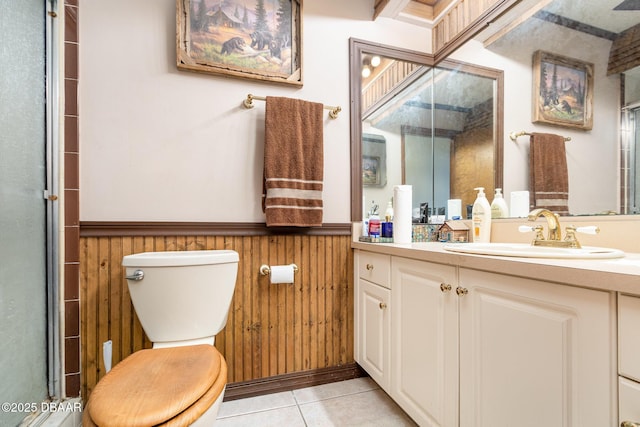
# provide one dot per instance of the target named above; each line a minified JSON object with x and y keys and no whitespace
{"x":293,"y":163}
{"x":549,"y":179}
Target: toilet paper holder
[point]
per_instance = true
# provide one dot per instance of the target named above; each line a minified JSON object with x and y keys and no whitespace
{"x":265,"y":270}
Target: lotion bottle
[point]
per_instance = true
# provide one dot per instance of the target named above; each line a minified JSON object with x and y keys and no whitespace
{"x":481,"y":218}
{"x":499,"y":207}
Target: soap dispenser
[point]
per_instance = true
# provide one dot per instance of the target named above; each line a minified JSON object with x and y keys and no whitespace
{"x":499,"y":207}
{"x":481,"y":217}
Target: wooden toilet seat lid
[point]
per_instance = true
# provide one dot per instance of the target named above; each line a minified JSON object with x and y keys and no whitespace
{"x":152,"y":386}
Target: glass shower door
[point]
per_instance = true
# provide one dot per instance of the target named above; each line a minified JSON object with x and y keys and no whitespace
{"x":23,"y":219}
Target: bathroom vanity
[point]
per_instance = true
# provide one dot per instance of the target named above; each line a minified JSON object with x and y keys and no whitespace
{"x":467,"y":340}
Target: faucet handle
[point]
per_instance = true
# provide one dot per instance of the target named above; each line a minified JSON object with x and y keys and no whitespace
{"x":572,"y":230}
{"x":528,"y":229}
{"x":589,"y":229}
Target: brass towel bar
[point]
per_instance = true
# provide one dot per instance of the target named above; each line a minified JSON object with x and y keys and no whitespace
{"x":514,"y":135}
{"x":248,"y":103}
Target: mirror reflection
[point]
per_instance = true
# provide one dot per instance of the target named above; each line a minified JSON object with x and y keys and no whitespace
{"x":603,"y":162}
{"x":433,"y":128}
{"x":600,"y":160}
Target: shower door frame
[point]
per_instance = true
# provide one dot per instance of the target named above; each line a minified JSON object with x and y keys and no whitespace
{"x":51,"y":194}
{"x":631,"y":149}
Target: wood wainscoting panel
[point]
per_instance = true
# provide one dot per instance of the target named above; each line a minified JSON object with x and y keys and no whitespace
{"x":271,"y":329}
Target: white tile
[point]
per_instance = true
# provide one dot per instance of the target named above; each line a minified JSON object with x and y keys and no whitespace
{"x":67,"y":413}
{"x":369,"y":408}
{"x":255,"y":404}
{"x":77,"y":419}
{"x":289,"y":417}
{"x":341,"y":388}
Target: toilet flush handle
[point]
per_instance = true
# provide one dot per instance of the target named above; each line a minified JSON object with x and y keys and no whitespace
{"x":136,"y":276}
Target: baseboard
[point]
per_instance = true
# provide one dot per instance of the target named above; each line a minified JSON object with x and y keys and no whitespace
{"x":292,"y":381}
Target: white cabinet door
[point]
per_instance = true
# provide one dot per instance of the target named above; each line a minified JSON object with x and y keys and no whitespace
{"x":424,"y":341}
{"x":629,"y":401}
{"x":629,"y":358}
{"x":535,"y":354}
{"x":629,"y":336}
{"x":373,"y":331}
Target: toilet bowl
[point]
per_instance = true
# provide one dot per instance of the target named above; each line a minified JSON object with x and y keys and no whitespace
{"x":182,"y":300}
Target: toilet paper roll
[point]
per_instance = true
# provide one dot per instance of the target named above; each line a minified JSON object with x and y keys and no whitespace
{"x":402,"y":203}
{"x":454,"y":208}
{"x":282,"y":273}
{"x":106,"y":355}
{"x":519,"y":204}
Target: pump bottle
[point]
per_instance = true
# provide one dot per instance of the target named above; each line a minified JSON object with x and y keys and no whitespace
{"x":499,"y":207}
{"x":481,"y":217}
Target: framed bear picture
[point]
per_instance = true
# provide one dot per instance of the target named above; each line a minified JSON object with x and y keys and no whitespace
{"x":251,"y":39}
{"x":562,"y":91}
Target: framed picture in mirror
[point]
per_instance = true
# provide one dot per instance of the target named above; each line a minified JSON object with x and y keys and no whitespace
{"x":371,"y":170}
{"x":258,"y":41}
{"x":374,"y":160}
{"x":562,"y":91}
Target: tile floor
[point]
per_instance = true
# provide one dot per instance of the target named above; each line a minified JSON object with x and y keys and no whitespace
{"x":357,"y":402}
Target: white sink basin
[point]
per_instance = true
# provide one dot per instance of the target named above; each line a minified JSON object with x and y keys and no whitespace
{"x":529,"y":251}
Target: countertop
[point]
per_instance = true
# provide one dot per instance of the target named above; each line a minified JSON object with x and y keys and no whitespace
{"x":620,"y":274}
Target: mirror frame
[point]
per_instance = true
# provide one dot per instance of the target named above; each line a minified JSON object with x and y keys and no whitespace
{"x":356,"y":49}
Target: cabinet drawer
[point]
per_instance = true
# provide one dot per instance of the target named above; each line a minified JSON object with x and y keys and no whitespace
{"x":629,"y":336}
{"x":375,"y":268}
{"x":629,"y":393}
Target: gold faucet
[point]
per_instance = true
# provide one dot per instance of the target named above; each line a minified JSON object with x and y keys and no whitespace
{"x":554,"y":238}
{"x":554,"y":231}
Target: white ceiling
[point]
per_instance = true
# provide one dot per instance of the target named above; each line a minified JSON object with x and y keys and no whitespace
{"x":597,"y":13}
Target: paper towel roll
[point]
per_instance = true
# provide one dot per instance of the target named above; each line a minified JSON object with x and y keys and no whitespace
{"x":402,"y":202}
{"x":282,"y":273}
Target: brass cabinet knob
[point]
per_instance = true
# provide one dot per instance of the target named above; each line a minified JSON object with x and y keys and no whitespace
{"x":383,"y":305}
{"x":629,"y":424}
{"x":462,"y":291}
{"x":444,"y":287}
{"x":369,"y":267}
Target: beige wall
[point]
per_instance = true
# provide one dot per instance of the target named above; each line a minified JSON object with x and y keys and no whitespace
{"x":159,"y":144}
{"x":618,"y":232}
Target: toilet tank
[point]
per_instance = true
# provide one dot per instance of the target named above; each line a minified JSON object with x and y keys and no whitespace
{"x":183,"y":295}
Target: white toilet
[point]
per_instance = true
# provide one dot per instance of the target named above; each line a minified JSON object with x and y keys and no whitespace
{"x":182,"y":300}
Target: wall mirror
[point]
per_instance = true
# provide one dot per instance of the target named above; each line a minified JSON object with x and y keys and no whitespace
{"x":602,"y":161}
{"x":440,"y":129}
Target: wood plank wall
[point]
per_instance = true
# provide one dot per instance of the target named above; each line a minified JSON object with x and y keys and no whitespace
{"x":271,"y":329}
{"x":386,"y":81}
{"x":625,"y":51}
{"x":457,"y":19}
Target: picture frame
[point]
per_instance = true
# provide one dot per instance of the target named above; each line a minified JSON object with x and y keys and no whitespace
{"x":562,"y":91}
{"x":250,"y":39}
{"x":371,"y":170}
{"x":374,"y":160}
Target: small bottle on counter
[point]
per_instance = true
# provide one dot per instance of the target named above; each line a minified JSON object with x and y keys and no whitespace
{"x":388,"y":214}
{"x":374,"y":226}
